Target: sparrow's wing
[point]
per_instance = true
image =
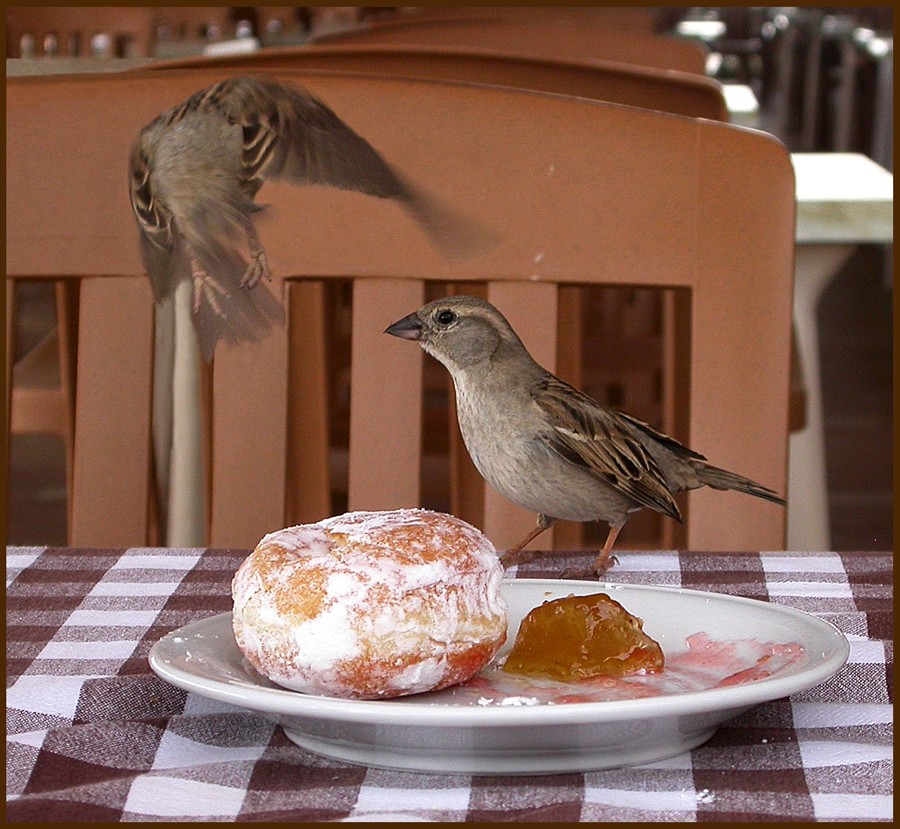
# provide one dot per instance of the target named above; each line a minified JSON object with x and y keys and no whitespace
{"x":593,"y":437}
{"x":669,"y":442}
{"x":703,"y":472}
{"x":287,"y":134}
{"x":175,"y":204}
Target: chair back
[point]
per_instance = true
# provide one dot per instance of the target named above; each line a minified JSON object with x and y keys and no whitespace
{"x":630,"y":18}
{"x":620,"y":196}
{"x":538,"y":39}
{"x":668,"y":90}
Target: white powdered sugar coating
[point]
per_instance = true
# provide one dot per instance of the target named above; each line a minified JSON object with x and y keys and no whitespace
{"x":371,"y":604}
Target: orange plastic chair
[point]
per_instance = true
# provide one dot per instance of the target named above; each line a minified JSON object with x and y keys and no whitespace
{"x":630,"y":18}
{"x":669,"y":90}
{"x":582,"y":40}
{"x":621,"y":196}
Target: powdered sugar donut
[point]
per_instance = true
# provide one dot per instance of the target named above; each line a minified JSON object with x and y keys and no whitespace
{"x":371,"y":604}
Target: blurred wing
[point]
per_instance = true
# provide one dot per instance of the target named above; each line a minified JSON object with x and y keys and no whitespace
{"x":593,"y":437}
{"x":289,"y":135}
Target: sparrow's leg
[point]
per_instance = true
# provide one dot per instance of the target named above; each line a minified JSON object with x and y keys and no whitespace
{"x":511,"y":556}
{"x":259,"y":263}
{"x":206,"y":286}
{"x":604,"y":560}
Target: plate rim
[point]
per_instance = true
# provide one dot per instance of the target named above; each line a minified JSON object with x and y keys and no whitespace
{"x":285,"y":702}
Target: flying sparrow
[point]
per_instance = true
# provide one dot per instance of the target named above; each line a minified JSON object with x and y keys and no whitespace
{"x":195,"y":170}
{"x":542,"y":443}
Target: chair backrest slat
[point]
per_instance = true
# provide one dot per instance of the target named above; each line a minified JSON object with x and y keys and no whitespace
{"x":385,"y":399}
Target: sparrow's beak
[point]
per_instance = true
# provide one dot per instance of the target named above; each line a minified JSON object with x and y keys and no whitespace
{"x":409,"y":328}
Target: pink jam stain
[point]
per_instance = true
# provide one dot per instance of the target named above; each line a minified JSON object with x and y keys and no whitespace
{"x":704,"y":665}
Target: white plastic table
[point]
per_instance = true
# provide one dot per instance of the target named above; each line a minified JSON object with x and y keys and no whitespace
{"x":843,"y":200}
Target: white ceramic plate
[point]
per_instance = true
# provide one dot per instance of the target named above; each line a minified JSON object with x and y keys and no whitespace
{"x":416,"y":733}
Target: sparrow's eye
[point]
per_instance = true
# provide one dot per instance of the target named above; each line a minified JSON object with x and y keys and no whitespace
{"x":446,"y":317}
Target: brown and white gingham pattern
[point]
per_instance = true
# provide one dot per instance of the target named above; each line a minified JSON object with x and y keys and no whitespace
{"x":93,"y":734}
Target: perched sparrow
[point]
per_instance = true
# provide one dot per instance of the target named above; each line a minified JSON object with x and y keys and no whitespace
{"x":545,"y":445}
{"x":196,"y":169}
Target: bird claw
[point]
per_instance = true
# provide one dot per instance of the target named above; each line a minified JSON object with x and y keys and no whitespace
{"x":598,"y":571}
{"x":513,"y":557}
{"x":603,"y":564}
{"x":256,"y":270}
{"x":206,"y":287}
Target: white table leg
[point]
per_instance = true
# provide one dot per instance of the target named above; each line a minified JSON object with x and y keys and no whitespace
{"x":807,"y":524}
{"x":161,"y":417}
{"x":177,"y":437}
{"x":186,"y":496}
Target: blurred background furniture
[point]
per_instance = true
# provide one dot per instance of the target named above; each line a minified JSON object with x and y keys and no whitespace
{"x":669,"y":90}
{"x":669,"y":208}
{"x":584,"y":39}
{"x":105,"y":32}
{"x":843,"y":200}
{"x":110,"y":31}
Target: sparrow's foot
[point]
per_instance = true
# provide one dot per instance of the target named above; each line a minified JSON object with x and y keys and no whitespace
{"x":205,"y":287}
{"x":516,"y":555}
{"x":606,"y":560}
{"x":596,"y":571}
{"x":259,"y":262}
{"x":256,"y":270}
{"x":603,"y":563}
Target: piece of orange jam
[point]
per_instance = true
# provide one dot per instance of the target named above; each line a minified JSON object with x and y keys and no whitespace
{"x":578,"y":637}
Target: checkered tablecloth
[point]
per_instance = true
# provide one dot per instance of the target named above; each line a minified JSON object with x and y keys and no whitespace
{"x":93,"y":734}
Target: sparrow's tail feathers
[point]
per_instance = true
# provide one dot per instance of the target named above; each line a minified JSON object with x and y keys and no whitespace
{"x":247,"y":315}
{"x":723,"y":479}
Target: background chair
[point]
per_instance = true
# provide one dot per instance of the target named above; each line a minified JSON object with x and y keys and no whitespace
{"x":599,"y":202}
{"x":668,"y":90}
{"x":544,"y":38}
{"x":629,"y":18}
